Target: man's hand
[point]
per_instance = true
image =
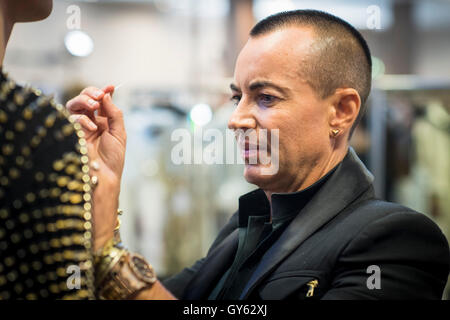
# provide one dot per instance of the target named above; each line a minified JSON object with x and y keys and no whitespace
{"x":105,"y":133}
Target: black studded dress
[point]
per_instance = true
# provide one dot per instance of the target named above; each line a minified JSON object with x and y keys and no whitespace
{"x":45,"y":208}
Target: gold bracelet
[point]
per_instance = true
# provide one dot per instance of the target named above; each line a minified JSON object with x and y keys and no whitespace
{"x":110,"y":254}
{"x":119,"y":213}
{"x":107,"y":263}
{"x":105,"y":258}
{"x":117,"y":238}
{"x":118,"y":224}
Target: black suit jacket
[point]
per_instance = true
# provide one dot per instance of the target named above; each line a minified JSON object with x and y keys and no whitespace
{"x":334,"y":239}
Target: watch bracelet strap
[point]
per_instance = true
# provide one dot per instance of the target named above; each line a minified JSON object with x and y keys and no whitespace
{"x":116,"y":279}
{"x":115,"y":287}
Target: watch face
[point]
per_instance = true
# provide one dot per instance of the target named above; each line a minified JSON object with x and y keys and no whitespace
{"x":142,"y":269}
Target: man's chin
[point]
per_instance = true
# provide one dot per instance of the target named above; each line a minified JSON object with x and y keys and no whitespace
{"x":257,"y":174}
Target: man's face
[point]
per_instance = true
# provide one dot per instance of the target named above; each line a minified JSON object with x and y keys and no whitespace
{"x":29,"y":10}
{"x":271,"y":94}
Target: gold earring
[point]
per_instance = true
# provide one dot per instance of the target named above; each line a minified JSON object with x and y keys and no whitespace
{"x":335,"y":132}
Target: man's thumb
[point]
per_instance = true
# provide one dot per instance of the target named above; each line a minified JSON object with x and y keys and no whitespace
{"x":114,"y":115}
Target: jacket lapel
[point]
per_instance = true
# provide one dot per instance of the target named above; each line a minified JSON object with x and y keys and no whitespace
{"x":346,"y":184}
{"x":215,"y":265}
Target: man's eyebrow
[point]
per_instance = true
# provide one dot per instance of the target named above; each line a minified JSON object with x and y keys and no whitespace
{"x":263,"y":84}
{"x":234,"y":87}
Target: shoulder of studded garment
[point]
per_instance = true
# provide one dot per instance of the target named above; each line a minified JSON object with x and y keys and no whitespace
{"x":55,"y":216}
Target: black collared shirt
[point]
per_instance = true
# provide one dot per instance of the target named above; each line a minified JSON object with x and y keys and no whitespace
{"x":257,"y":233}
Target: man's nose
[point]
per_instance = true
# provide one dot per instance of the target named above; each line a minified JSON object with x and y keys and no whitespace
{"x":242,"y":118}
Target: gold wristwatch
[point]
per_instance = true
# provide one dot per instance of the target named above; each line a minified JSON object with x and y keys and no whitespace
{"x":121,"y":274}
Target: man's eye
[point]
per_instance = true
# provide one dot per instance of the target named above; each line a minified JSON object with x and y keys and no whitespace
{"x":266,"y":99}
{"x":236,"y":99}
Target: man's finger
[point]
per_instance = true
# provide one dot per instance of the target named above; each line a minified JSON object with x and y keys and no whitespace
{"x":115,"y":117}
{"x":94,"y":93}
{"x":84,"y":121}
{"x":102,"y":123}
{"x":108,"y":89}
{"x":82,"y":103}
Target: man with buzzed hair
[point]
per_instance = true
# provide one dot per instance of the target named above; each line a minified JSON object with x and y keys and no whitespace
{"x":313,"y":229}
{"x":339,"y":56}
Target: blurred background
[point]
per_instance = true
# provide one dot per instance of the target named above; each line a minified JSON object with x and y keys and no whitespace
{"x":175,"y":60}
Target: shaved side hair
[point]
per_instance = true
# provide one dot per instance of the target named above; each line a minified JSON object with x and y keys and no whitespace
{"x":340,"y":57}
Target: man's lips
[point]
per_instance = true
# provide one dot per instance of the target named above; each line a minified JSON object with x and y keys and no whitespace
{"x":248,"y":146}
{"x":249,"y":151}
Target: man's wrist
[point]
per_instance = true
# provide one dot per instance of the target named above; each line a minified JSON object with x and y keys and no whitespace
{"x":121,"y":274}
{"x":105,"y":210}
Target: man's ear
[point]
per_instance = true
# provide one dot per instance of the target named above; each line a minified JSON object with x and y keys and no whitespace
{"x":344,"y":108}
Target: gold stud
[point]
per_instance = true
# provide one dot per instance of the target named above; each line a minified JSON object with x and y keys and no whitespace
{"x":14,"y":173}
{"x":18,"y":288}
{"x":64,"y":197}
{"x":42,"y":101}
{"x":8,"y":149}
{"x":20,"y":125}
{"x":55,"y":192}
{"x":4,"y":181}
{"x":335,"y":132}
{"x":50,"y":120}
{"x":3,"y":116}
{"x":9,"y":135}
{"x":74,"y":185}
{"x":36,"y":265}
{"x":26,"y":151}
{"x":19,"y":99}
{"x":30,"y":197}
{"x":71,"y":169}
{"x":42,"y":132}
{"x":75,"y":198}
{"x":67,"y":129}
{"x":24,"y":218}
{"x":27,"y":114}
{"x":20,"y":160}
{"x":58,"y":165}
{"x":4,"y":214}
{"x":58,"y":135}
{"x":9,"y":261}
{"x":62,"y":181}
{"x":52,"y":177}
